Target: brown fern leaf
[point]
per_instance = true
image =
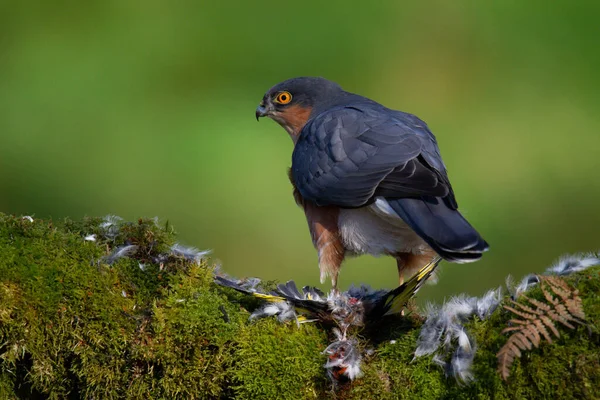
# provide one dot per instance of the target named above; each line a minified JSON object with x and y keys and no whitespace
{"x":522,"y":341}
{"x":526,"y":308}
{"x":520,"y":313}
{"x":571,"y":307}
{"x":506,"y":356}
{"x":549,"y":296}
{"x":518,"y":322}
{"x":541,"y":328}
{"x":532,"y":334}
{"x":548,"y":322}
{"x":570,"y":297}
{"x":561,"y":315}
{"x":575,"y":307}
{"x":562,"y":305}
{"x":558,"y":286}
{"x":539,"y":304}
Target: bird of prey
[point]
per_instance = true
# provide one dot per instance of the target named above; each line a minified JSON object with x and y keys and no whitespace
{"x":370,"y":179}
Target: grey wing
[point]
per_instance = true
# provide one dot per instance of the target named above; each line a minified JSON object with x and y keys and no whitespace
{"x":349,"y":155}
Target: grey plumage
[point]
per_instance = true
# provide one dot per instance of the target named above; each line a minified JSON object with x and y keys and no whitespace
{"x":351,"y":153}
{"x":444,"y":333}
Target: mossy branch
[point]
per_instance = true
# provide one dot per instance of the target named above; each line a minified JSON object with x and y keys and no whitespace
{"x":154,"y":325}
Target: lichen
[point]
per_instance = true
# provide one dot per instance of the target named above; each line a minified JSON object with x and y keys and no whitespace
{"x":154,"y":325}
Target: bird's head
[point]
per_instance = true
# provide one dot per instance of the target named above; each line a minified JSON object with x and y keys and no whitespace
{"x":292,"y":102}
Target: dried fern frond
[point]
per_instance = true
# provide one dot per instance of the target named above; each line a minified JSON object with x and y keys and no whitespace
{"x":563,"y":305}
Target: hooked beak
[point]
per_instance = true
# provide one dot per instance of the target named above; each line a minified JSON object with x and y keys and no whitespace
{"x":263,"y":110}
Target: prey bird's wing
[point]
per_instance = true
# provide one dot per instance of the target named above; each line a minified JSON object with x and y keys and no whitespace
{"x":314,"y":306}
{"x":348,"y":155}
{"x":233,"y":284}
{"x":395,"y":300}
{"x":310,"y":304}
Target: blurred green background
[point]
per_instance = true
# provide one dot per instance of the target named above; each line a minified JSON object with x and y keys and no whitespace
{"x":147,"y":109}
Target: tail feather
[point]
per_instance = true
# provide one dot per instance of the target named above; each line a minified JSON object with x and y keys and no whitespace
{"x":442,"y":227}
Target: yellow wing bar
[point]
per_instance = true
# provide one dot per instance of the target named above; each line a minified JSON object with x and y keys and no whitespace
{"x":397,"y":302}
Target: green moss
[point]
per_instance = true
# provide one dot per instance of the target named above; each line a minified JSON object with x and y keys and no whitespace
{"x":275,"y":361}
{"x":72,"y":326}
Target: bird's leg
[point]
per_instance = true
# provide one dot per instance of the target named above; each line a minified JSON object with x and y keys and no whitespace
{"x":400,"y":264}
{"x":334,"y":279}
{"x":331,"y":255}
{"x":323,"y":225}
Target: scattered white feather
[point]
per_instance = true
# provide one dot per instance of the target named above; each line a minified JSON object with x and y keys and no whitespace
{"x":463,"y":339}
{"x":345,"y":355}
{"x":110,"y":226}
{"x":268,"y":310}
{"x":282,"y":309}
{"x":120,"y":252}
{"x":459,"y":306}
{"x":142,"y":266}
{"x":189,"y":253}
{"x":437,"y":359}
{"x":353,"y":370}
{"x":444,"y":332}
{"x":526,"y":283}
{"x":565,"y":265}
{"x":90,"y":238}
{"x":250,"y":284}
{"x":461,"y":363}
{"x":488,"y":303}
{"x":28,"y":218}
{"x":431,"y":333}
{"x":573,"y":263}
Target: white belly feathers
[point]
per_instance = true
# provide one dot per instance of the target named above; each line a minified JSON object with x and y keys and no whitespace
{"x":376,"y":230}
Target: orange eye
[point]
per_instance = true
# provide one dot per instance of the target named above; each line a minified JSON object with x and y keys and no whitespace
{"x":283,"y":98}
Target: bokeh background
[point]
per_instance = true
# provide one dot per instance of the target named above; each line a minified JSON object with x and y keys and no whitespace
{"x":146,"y":108}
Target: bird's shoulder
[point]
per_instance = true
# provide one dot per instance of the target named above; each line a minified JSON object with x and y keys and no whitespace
{"x":365,"y":125}
{"x":365,"y":118}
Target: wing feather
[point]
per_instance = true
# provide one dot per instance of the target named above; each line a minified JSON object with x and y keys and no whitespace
{"x":348,"y":155}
